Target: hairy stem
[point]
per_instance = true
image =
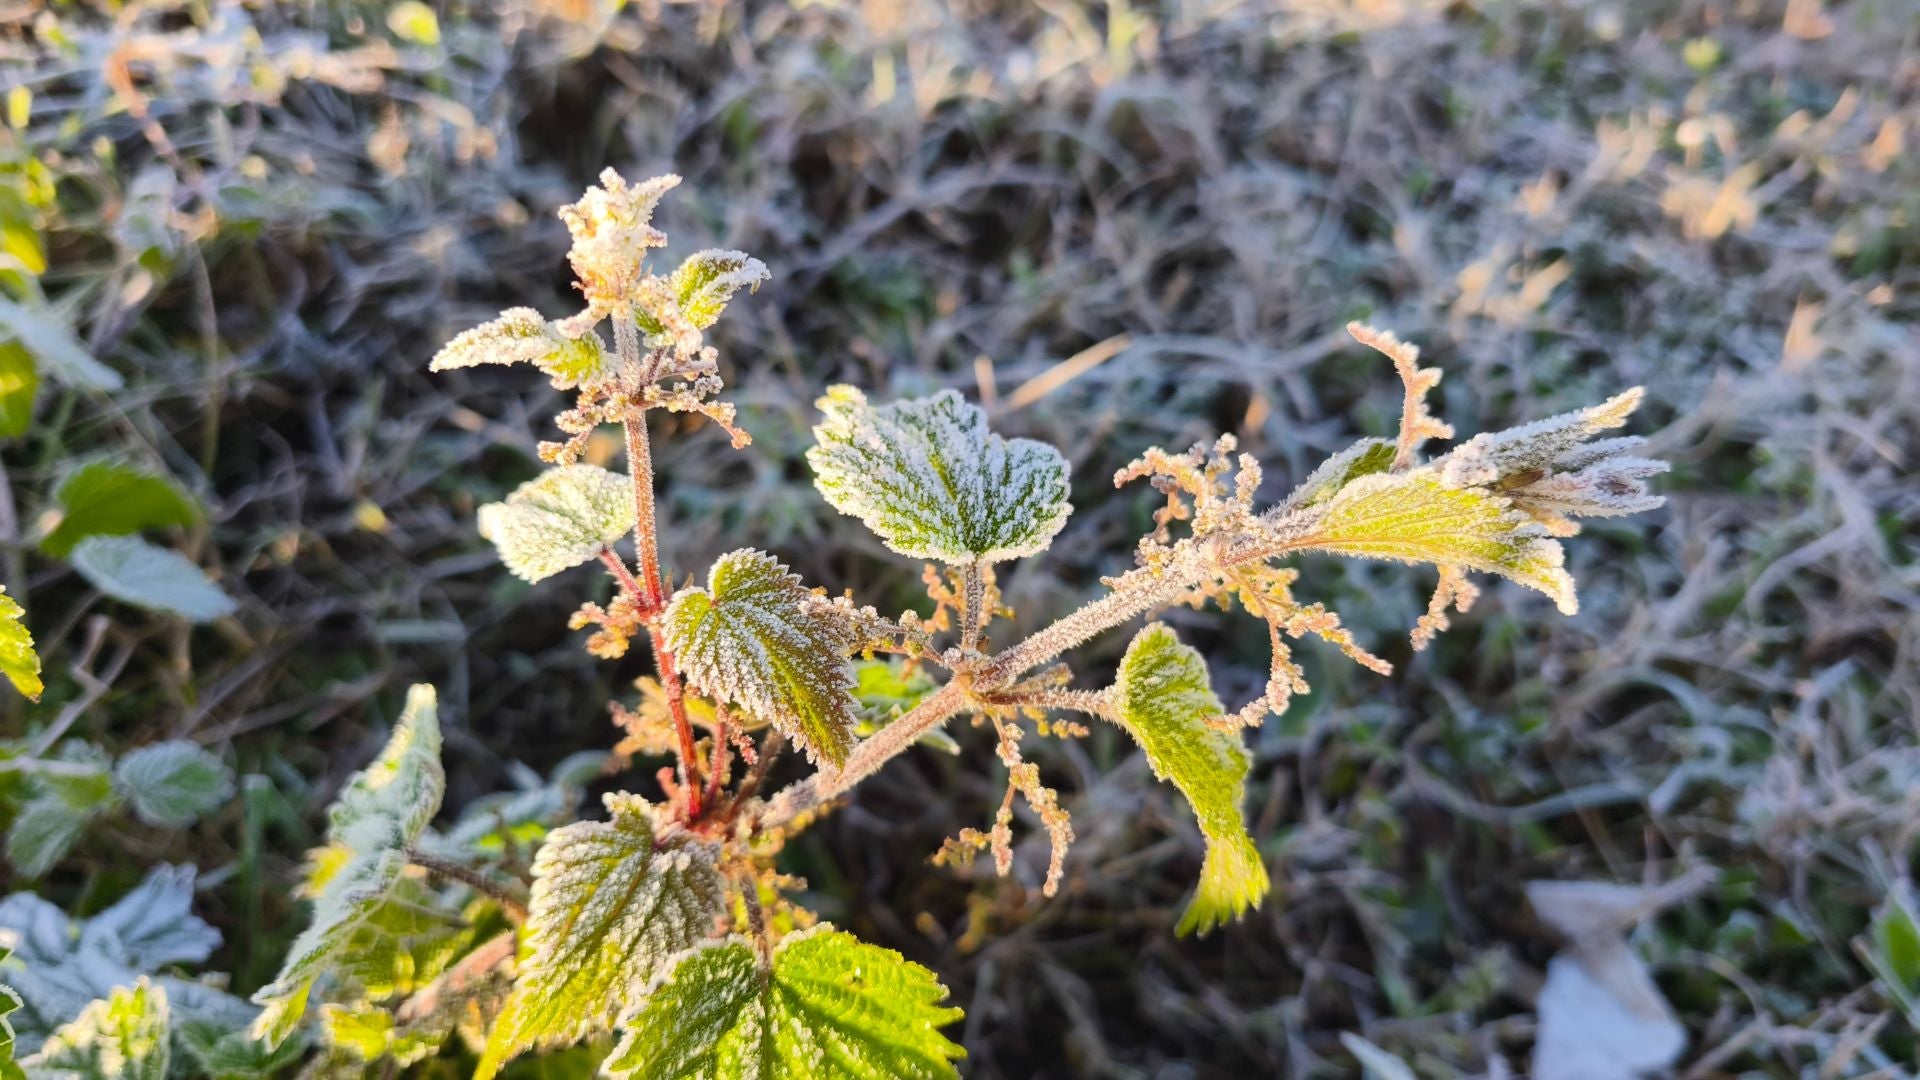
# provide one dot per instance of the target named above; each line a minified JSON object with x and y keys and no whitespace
{"x":934,"y":709}
{"x":628,"y":583}
{"x":647,"y":545}
{"x":466,"y":875}
{"x":973,"y":595}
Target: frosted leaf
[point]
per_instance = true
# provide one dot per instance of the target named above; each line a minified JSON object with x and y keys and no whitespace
{"x":1415,"y":517}
{"x":1164,"y":699}
{"x":103,"y":498}
{"x":153,"y":926}
{"x":379,"y":814}
{"x":609,"y":909}
{"x":123,"y":1036}
{"x":929,"y":478}
{"x":757,"y":637}
{"x":171,"y":783}
{"x":128,"y":568}
{"x":1375,"y":1063}
{"x":708,"y":279}
{"x":612,"y":230}
{"x":559,"y":519}
{"x":1417,"y":425}
{"x":831,"y":1006}
{"x":9,"y":1004}
{"x":368,"y":1033}
{"x":60,"y":809}
{"x":1361,"y":459}
{"x":18,"y":661}
{"x":54,"y":345}
{"x":1552,"y":471}
{"x":521,"y":336}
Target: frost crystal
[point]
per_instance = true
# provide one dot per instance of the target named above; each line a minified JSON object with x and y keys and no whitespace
{"x":612,"y":231}
{"x":1417,"y":425}
{"x":934,"y":483}
{"x":609,"y":910}
{"x":521,"y":336}
{"x":559,"y":519}
{"x":757,"y":637}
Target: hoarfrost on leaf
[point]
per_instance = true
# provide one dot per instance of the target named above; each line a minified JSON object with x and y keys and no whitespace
{"x":380,"y":814}
{"x":708,"y":279}
{"x":171,"y":783}
{"x":522,"y":336}
{"x":930,"y":479}
{"x":1164,"y":699}
{"x":559,"y":519}
{"x":609,"y":909}
{"x":128,"y":568}
{"x":123,"y":1036}
{"x":831,"y":1006}
{"x":757,"y":637}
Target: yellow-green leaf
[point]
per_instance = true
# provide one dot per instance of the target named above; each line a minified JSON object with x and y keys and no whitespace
{"x":521,"y":336}
{"x":1164,"y":698}
{"x":19,"y":385}
{"x":832,"y":1006}
{"x":559,"y":519}
{"x":931,"y":480}
{"x":609,"y":910}
{"x":1414,"y":516}
{"x":121,"y":1037}
{"x":708,"y":279}
{"x":757,"y":637}
{"x":17,"y":659}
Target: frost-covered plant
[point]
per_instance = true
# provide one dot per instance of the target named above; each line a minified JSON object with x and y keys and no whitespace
{"x":664,"y":939}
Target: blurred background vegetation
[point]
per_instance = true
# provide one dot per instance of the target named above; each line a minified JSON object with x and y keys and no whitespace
{"x":1116,"y":225}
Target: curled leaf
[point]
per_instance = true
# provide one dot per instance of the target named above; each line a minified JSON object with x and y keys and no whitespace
{"x":708,"y":279}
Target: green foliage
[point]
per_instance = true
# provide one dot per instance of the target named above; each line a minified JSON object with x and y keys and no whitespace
{"x":521,"y":336}
{"x":129,"y":569}
{"x":103,"y":498}
{"x":1414,"y":516}
{"x":932,"y":481}
{"x":755,"y":636}
{"x":613,"y":902}
{"x":18,"y":661}
{"x":123,"y":1036}
{"x":19,"y":387}
{"x":708,"y":279}
{"x":172,"y":783}
{"x":63,"y":802}
{"x":559,"y":519}
{"x":889,"y":689}
{"x":54,"y":347}
{"x":829,"y":1006}
{"x":380,"y":813}
{"x":1164,"y":698}
{"x":9,"y":1004}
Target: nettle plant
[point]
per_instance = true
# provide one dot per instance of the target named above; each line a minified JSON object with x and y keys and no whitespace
{"x":667,"y":932}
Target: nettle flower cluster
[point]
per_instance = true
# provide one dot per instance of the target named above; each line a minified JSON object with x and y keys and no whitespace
{"x":664,"y":939}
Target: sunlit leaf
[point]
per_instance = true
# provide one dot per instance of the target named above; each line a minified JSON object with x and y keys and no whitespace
{"x":832,"y":1006}
{"x":18,"y":661}
{"x":929,"y":478}
{"x":609,"y":908}
{"x":413,"y":21}
{"x":61,"y":355}
{"x":521,"y":336}
{"x":380,"y":813}
{"x":19,"y":386}
{"x":559,"y":519}
{"x":1164,"y":698}
{"x":1363,"y":458}
{"x":757,"y":637}
{"x":103,"y":498}
{"x":128,"y":568}
{"x":886,"y":689}
{"x":172,"y":783}
{"x":708,"y":279}
{"x":1414,"y":516}
{"x":123,"y":1036}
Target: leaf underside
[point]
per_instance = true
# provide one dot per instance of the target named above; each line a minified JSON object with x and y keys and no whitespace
{"x":832,"y":1006}
{"x":930,"y":479}
{"x":1164,"y":699}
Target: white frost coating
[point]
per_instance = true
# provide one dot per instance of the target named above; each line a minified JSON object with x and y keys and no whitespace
{"x":380,"y":813}
{"x":708,"y":279}
{"x":124,"y":1035}
{"x":757,"y":637}
{"x":1550,"y":470}
{"x":607,"y":911}
{"x":173,"y":782}
{"x":130,"y":569}
{"x":932,"y":481}
{"x":559,"y":519}
{"x":521,"y":336}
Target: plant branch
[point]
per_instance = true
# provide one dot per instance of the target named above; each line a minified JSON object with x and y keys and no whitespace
{"x":628,"y":583}
{"x":973,"y":595}
{"x":472,"y":878}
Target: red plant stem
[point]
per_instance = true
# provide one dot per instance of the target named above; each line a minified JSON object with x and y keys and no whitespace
{"x":717,"y":764}
{"x":646,"y":540}
{"x":628,"y":583}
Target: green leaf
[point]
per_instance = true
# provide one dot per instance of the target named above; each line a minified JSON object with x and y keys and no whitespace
{"x":887,"y":688}
{"x":609,"y":909}
{"x":17,"y":659}
{"x":929,"y":478}
{"x":102,"y":498}
{"x":708,"y":279}
{"x":20,"y":239}
{"x":1165,"y":699}
{"x":171,"y":783}
{"x":9,"y":1004}
{"x":369,"y":1033}
{"x":379,"y":814}
{"x":220,"y":1054}
{"x":19,"y":385}
{"x":757,"y":637}
{"x":413,"y":21}
{"x":832,"y":1006}
{"x":128,"y":568}
{"x":63,"y":807}
{"x":1364,"y":458}
{"x":559,"y":519}
{"x":1414,"y":516}
{"x":59,"y":353}
{"x":122,"y":1037}
{"x":521,"y":336}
